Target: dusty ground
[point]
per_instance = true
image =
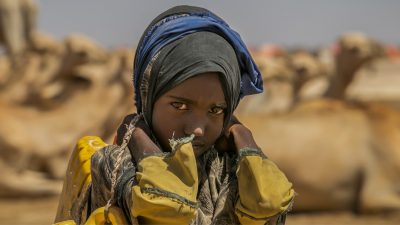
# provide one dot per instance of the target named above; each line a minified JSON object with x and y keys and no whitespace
{"x":42,"y":211}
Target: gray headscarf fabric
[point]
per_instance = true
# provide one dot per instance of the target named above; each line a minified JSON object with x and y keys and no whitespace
{"x":182,"y":59}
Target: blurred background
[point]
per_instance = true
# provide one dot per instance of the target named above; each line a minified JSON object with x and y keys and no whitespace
{"x":329,"y":116}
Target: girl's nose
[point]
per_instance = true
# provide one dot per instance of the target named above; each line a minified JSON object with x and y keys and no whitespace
{"x":195,"y":126}
{"x":198,"y":131}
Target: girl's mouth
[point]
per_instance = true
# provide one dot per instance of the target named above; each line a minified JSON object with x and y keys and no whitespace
{"x":198,"y":147}
{"x":198,"y":143}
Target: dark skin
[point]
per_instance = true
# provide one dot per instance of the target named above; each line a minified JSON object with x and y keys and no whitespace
{"x":196,"y":106}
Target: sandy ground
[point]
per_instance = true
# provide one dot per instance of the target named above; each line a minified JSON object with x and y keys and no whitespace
{"x":42,"y":211}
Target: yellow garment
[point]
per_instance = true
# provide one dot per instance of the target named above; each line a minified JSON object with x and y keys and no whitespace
{"x":66,"y":222}
{"x":263,"y":189}
{"x":167,"y":188}
{"x":97,"y":217}
{"x":77,"y":179}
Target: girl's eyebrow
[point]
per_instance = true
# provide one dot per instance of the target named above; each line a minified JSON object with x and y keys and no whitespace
{"x":222,"y":104}
{"x":186,"y":100}
{"x":181,"y":99}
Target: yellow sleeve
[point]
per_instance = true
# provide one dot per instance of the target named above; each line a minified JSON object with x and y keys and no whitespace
{"x":264,"y":191}
{"x":167,"y":188}
{"x":76,"y":184}
{"x":97,"y":217}
{"x":77,"y":179}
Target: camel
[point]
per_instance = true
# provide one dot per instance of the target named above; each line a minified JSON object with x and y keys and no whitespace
{"x":63,"y":64}
{"x":36,"y":139}
{"x":291,"y":78}
{"x":356,"y":50}
{"x":306,"y":68}
{"x":338,"y":159}
{"x":285,"y":76}
{"x":5,"y":69}
{"x":26,"y":183}
{"x":340,"y":155}
{"x":41,"y":65}
{"x":48,"y":64}
{"x":277,"y":77}
{"x":17,"y":22}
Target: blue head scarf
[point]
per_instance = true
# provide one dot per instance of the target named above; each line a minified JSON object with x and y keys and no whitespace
{"x":181,"y":21}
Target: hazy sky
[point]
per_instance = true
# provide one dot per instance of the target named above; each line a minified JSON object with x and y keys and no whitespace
{"x":307,"y":23}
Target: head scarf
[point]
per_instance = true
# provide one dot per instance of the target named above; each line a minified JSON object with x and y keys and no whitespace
{"x":185,"y":41}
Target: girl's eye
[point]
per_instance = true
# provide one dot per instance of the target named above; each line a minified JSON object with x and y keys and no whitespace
{"x":179,"y":105}
{"x":217,"y":110}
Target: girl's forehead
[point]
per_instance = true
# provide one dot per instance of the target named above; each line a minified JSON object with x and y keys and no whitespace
{"x":209,"y":80}
{"x":206,"y":86}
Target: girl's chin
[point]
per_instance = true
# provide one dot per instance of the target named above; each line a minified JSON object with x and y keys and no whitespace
{"x":199,"y":150}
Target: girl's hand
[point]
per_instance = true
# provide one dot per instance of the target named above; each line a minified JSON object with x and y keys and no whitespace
{"x":140,"y":144}
{"x":235,"y":136}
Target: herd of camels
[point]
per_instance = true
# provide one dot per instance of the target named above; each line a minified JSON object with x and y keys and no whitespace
{"x":340,"y":154}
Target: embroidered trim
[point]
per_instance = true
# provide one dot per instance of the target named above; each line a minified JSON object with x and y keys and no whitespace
{"x":170,"y":195}
{"x":251,"y":152}
{"x":251,"y":217}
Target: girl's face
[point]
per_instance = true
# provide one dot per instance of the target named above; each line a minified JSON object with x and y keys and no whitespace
{"x":196,"y":106}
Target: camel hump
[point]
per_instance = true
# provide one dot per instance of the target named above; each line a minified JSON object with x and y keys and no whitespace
{"x":84,"y":48}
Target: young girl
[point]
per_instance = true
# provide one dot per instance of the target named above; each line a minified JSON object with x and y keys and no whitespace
{"x":184,"y":158}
